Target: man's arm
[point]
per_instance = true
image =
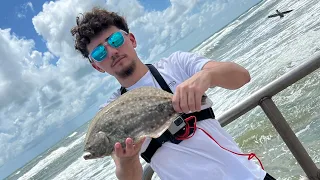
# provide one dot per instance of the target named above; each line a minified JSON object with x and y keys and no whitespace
{"x":227,"y":75}
{"x":130,"y":169}
{"x":128,"y":166}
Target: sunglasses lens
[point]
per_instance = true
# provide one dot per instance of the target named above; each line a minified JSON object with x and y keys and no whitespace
{"x":99,"y":53}
{"x":116,"y":40}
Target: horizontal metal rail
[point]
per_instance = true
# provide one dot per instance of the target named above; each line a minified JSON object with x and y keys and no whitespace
{"x":270,"y":90}
{"x":263,"y":99}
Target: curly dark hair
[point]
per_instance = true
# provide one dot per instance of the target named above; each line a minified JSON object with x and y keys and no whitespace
{"x":91,"y":24}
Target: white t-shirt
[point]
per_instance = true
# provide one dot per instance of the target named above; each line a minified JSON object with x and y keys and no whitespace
{"x":199,"y":157}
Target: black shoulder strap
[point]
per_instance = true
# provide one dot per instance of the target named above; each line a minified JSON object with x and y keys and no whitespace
{"x":123,"y":90}
{"x":158,"y":78}
{"x":155,"y":143}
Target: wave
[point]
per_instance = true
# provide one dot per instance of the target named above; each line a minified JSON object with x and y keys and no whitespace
{"x":54,"y":155}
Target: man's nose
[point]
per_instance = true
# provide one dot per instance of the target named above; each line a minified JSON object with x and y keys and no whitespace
{"x":111,"y":51}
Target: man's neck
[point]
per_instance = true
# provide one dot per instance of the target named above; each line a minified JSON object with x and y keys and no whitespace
{"x":139,"y":72}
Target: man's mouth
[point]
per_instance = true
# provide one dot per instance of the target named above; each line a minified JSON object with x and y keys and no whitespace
{"x":117,"y":60}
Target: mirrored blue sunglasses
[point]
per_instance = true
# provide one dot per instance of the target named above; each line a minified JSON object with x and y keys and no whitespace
{"x":115,"y":40}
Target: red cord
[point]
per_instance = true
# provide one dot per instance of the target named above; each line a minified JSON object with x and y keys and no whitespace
{"x":187,"y":136}
{"x":187,"y":129}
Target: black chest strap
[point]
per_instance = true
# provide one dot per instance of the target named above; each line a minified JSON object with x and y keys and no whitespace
{"x":155,"y":144}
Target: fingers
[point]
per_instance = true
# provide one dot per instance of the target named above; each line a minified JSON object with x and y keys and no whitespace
{"x":138,"y":145}
{"x":198,"y":98}
{"x":119,"y":152}
{"x":186,"y":99}
{"x":130,"y":149}
{"x":176,"y":102}
{"x":191,"y":101}
{"x":129,"y":145}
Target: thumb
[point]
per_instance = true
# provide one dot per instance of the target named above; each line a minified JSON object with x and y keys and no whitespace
{"x":138,"y":145}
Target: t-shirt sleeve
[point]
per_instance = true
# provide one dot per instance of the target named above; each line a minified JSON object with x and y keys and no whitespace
{"x":191,"y":63}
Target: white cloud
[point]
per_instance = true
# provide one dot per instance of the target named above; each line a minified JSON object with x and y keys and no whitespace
{"x":37,"y":95}
{"x":23,"y":9}
{"x":29,"y":4}
{"x":21,"y":15}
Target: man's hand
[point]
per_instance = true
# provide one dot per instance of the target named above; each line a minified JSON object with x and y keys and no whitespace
{"x":189,"y":93}
{"x":130,"y":151}
{"x":227,"y":75}
{"x":127,"y":160}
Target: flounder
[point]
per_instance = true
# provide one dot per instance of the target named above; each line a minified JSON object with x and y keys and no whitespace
{"x":139,"y":113}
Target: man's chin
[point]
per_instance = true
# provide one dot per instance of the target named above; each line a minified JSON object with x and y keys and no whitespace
{"x":126,"y":71}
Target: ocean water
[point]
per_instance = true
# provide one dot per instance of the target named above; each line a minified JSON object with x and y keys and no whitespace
{"x":268,"y":48}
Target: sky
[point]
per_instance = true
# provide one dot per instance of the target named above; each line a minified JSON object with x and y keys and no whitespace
{"x":47,"y":90}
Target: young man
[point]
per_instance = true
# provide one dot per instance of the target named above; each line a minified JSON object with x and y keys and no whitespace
{"x":104,"y":38}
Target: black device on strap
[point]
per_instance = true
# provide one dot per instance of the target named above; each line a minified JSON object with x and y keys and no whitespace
{"x":155,"y":143}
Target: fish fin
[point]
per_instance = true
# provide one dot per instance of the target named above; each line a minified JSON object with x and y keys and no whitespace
{"x":158,"y":132}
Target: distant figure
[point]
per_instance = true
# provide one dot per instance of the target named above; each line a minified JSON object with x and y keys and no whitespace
{"x":281,"y":14}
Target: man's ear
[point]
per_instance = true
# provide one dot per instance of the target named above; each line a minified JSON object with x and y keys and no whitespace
{"x":97,"y":68}
{"x":133,"y":40}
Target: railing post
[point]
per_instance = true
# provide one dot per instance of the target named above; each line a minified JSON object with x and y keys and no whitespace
{"x":289,"y":137}
{"x":147,"y":172}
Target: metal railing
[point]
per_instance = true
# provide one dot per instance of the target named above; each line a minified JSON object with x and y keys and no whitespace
{"x":263,"y":99}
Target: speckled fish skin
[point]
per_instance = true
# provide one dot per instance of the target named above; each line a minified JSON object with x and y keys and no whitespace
{"x":142,"y":112}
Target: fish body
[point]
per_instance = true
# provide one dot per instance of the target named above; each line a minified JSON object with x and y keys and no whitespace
{"x":139,"y":113}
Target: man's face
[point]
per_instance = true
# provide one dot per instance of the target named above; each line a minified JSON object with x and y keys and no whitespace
{"x":119,"y":62}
